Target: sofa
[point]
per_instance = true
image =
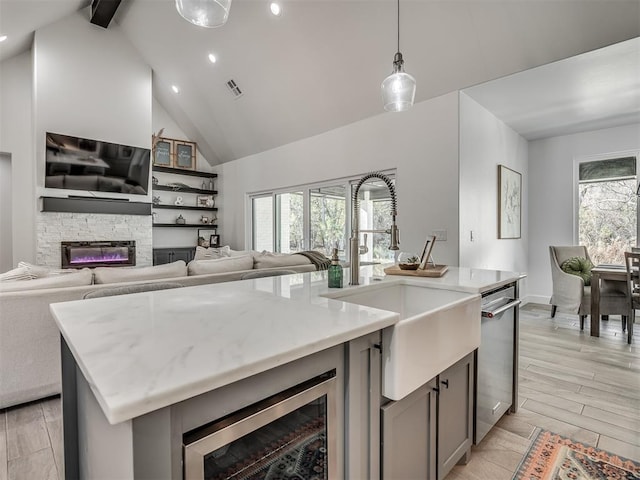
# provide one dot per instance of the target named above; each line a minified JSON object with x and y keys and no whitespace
{"x":29,"y":338}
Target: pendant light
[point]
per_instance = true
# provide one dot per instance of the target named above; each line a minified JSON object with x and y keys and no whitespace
{"x":399,"y":88}
{"x":204,"y":13}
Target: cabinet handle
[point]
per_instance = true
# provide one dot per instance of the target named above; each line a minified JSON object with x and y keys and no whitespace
{"x":436,"y":389}
{"x":445,"y":383}
{"x":378,"y":346}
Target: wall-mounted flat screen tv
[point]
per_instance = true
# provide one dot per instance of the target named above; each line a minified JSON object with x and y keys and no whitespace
{"x":76,"y":163}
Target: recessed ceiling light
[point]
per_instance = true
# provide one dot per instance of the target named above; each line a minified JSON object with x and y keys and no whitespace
{"x":212,"y":58}
{"x":175,"y":89}
{"x":275,"y":8}
{"x":3,"y":38}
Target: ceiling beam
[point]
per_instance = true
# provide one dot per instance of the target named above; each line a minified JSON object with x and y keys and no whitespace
{"x":102,"y":11}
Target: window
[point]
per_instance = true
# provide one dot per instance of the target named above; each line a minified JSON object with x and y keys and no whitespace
{"x":262,"y":223}
{"x":328,"y":219}
{"x":317,"y":217}
{"x":289,"y":222}
{"x":608,"y":208}
{"x":375,"y":214}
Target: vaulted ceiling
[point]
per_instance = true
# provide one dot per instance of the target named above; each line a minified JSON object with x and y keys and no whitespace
{"x":320,"y":64}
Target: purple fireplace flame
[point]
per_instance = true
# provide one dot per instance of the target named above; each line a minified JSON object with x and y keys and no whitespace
{"x":105,"y":257}
{"x":95,"y":254}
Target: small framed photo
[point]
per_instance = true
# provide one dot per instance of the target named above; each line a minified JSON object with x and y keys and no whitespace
{"x":163,"y":152}
{"x":205,"y":201}
{"x":185,"y":155}
{"x":204,"y":236}
{"x":214,"y":241}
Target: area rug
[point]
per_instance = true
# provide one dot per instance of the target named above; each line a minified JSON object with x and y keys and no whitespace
{"x":553,"y":457}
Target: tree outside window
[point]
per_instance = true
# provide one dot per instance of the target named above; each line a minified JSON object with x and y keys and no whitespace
{"x":607,"y":210}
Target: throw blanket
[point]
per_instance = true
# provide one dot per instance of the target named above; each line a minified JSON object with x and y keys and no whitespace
{"x":318,"y":259}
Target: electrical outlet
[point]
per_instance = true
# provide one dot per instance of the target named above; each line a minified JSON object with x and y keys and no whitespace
{"x":441,"y":235}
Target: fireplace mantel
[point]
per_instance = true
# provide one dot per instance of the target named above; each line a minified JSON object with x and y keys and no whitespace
{"x":95,"y":205}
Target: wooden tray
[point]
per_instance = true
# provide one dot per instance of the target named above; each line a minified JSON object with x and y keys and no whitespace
{"x":430,"y":271}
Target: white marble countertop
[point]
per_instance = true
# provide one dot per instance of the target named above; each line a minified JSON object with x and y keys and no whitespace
{"x":142,"y":352}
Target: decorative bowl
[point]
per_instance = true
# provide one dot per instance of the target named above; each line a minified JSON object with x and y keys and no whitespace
{"x":408,"y":266}
{"x":408,"y":261}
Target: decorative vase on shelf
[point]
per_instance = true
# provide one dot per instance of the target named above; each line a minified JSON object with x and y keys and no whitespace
{"x":211,"y":184}
{"x":408,"y":261}
{"x":180,"y":220}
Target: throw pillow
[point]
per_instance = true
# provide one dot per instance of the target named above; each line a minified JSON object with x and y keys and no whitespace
{"x":211,"y":253}
{"x":20,"y":273}
{"x":25,"y":271}
{"x":78,"y":278}
{"x":136,"y":274}
{"x":220,"y":265}
{"x":273,"y":260}
{"x":579,"y":266}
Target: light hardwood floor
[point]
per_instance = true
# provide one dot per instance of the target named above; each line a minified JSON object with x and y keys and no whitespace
{"x":570,"y":383}
{"x":573,"y":384}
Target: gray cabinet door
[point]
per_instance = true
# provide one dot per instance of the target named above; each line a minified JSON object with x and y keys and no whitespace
{"x":169,"y":255}
{"x":409,"y":436}
{"x":455,"y":415}
{"x":362,"y":422}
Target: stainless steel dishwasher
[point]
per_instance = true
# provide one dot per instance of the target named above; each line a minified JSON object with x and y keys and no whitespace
{"x":496,"y":359}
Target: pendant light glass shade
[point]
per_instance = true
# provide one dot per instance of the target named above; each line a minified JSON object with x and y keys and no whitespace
{"x":204,"y":13}
{"x":399,"y":88}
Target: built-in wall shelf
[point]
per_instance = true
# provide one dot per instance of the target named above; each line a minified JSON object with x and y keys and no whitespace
{"x":186,"y":225}
{"x":179,"y":171}
{"x":185,"y":207}
{"x":194,"y":205}
{"x":169,"y":188}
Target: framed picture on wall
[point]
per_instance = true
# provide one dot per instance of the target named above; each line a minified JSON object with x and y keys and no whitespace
{"x":509,"y":202}
{"x":163,"y":152}
{"x":185,"y":155}
{"x":204,"y":236}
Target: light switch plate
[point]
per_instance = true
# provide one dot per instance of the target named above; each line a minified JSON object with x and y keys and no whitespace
{"x":441,"y":235}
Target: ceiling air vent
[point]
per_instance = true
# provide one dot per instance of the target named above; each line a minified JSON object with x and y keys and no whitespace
{"x":234,"y":88}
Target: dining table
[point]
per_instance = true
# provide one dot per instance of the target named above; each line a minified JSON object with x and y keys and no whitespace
{"x":602,"y":272}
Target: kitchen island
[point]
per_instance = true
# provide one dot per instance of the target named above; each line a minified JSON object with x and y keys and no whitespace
{"x":142,"y":371}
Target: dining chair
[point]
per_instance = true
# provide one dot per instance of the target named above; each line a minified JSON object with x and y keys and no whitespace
{"x":571,"y":295}
{"x":632,"y":262}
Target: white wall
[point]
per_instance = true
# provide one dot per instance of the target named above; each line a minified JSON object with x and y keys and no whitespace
{"x":551,"y":193}
{"x":422,"y":144}
{"x":6,"y":222}
{"x":16,"y":138}
{"x":485,"y":143}
{"x":90,"y":84}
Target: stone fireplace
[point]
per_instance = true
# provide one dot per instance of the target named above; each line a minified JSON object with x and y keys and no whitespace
{"x":98,"y":254}
{"x":53,"y":228}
